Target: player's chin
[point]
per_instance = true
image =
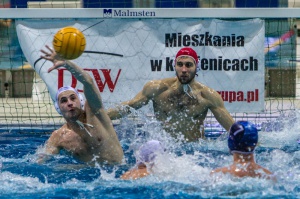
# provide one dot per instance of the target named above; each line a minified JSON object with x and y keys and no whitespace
{"x":72,"y":114}
{"x":184,"y":80}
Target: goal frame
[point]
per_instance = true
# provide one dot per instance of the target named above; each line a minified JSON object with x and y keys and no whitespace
{"x":25,"y":13}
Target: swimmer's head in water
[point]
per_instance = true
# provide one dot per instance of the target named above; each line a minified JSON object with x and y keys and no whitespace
{"x":243,"y":137}
{"x":67,"y":88}
{"x":148,"y":151}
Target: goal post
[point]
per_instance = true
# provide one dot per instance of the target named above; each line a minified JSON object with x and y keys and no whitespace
{"x":249,"y":55}
{"x":224,"y":13}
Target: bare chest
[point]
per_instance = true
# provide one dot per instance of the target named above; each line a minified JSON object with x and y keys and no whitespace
{"x":73,"y":143}
{"x":180,"y":103}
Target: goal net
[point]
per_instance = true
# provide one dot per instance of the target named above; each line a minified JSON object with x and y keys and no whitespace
{"x":248,"y":55}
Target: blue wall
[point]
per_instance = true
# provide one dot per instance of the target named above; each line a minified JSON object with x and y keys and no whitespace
{"x":161,"y":3}
{"x":128,"y":4}
{"x":20,"y":3}
{"x":176,"y":4}
{"x":107,"y":4}
{"x":257,"y":3}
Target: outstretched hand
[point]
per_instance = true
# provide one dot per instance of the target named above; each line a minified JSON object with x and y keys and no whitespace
{"x":52,"y":56}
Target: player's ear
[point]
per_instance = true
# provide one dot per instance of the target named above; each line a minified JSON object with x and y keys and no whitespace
{"x":174,"y":62}
{"x":198,"y":66}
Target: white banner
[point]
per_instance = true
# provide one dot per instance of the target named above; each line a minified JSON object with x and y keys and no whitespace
{"x":123,"y":54}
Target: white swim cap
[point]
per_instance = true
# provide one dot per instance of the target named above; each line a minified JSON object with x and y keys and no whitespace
{"x":67,"y":88}
{"x":148,"y":151}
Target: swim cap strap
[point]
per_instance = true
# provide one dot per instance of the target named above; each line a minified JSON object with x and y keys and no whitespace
{"x":83,"y":127}
{"x":242,"y":152}
{"x":186,"y":89}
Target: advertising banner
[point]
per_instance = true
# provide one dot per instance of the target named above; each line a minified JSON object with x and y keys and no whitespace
{"x":123,"y":54}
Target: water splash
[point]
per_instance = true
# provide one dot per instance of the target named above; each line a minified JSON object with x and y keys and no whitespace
{"x":184,"y":171}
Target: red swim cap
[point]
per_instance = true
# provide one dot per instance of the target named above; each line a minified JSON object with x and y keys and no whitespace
{"x":188,"y":52}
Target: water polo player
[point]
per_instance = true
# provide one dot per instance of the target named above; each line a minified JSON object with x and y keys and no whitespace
{"x":145,"y":158}
{"x":242,"y":140}
{"x":180,"y":103}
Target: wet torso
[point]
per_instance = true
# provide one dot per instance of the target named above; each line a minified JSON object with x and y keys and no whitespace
{"x":73,"y":144}
{"x":181,"y":113}
{"x":75,"y":140}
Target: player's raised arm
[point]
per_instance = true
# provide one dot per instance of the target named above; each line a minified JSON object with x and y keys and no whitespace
{"x":218,"y":109}
{"x":149,"y":90}
{"x":88,"y":133}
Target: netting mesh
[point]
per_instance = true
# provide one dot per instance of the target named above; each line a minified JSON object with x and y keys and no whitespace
{"x":25,"y":98}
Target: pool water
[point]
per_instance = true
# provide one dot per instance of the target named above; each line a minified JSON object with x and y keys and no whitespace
{"x":183,"y":172}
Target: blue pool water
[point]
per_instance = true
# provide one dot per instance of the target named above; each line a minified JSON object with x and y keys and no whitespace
{"x":181,"y":173}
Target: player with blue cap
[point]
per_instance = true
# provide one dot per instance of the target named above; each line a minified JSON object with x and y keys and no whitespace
{"x":243,"y":137}
{"x":242,"y":140}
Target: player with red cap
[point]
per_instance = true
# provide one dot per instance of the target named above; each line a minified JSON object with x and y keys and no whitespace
{"x":180,"y":103}
{"x":188,"y":52}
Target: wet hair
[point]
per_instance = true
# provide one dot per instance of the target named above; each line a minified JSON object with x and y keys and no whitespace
{"x":243,"y":137}
{"x":67,"y":88}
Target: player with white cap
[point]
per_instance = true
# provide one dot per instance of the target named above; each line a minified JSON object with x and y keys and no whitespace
{"x":88,"y":133}
{"x":145,"y":159}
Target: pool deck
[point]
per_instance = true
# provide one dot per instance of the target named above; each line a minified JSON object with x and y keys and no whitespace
{"x":16,"y":111}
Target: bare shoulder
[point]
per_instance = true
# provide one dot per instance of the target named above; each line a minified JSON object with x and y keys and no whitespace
{"x":53,"y":143}
{"x":208,"y":93}
{"x":56,"y":135}
{"x":134,"y":174}
{"x":221,"y":169}
{"x":205,"y":89}
{"x":267,"y":171}
{"x":160,"y":82}
{"x":59,"y":131}
{"x":158,"y":86}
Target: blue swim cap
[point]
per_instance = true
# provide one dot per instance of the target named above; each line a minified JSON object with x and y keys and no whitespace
{"x":243,"y":137}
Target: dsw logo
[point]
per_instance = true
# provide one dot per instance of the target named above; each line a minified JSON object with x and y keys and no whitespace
{"x":101,"y":83}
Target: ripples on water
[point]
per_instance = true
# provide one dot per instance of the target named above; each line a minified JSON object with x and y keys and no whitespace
{"x":183,"y":172}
